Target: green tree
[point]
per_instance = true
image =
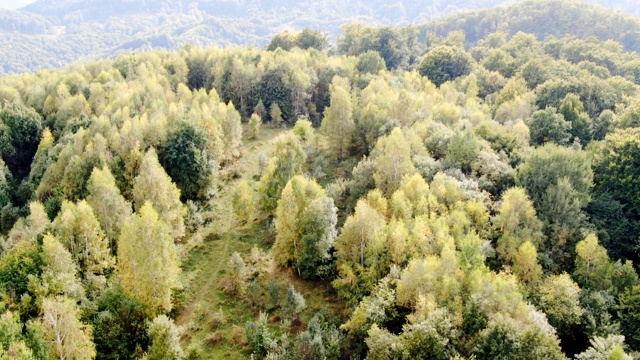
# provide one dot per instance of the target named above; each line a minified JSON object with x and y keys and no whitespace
{"x":17,"y":265}
{"x":615,"y":229}
{"x":321,"y":340}
{"x":285,"y":40}
{"x":294,"y":302}
{"x":395,"y":46}
{"x":6,"y":179}
{"x":382,"y":344}
{"x":549,"y":126}
{"x":506,"y":339}
{"x":547,"y":165}
{"x":370,"y":120}
{"x":572,"y":109}
{"x":14,"y":345}
{"x":185,"y":160}
{"x":283,"y":84}
{"x":559,"y":298}
{"x":119,"y":325}
{"x":311,"y":39}
{"x":558,"y":180}
{"x":165,"y":340}
{"x":260,"y":109}
{"x":617,"y":172}
{"x":629,"y":314}
{"x":605,"y":348}
{"x":319,"y":227}
{"x":154,"y":185}
{"x":376,"y":309}
{"x":199,"y":74}
{"x":258,"y":336}
{"x":10,"y":329}
{"x":338,"y":125}
{"x":630,"y":116}
{"x":68,"y":337}
{"x":21,"y":129}
{"x":501,"y":61}
{"x":561,"y":210}
{"x":431,"y":338}
{"x":603,"y":124}
{"x":148,"y":264}
{"x":535,"y":72}
{"x":463,"y":149}
{"x":370,"y":62}
{"x":499,"y":341}
{"x":445,"y":63}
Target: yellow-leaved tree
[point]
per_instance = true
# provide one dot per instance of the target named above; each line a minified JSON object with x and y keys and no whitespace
{"x":516,"y":223}
{"x":67,"y":337}
{"x":287,"y":161}
{"x":392,"y":161}
{"x":154,"y":185}
{"x":338,"y":125}
{"x":59,"y":271}
{"x":79,"y":231}
{"x":358,"y":251}
{"x":148,"y":264}
{"x":305,"y":227}
{"x":110,"y":207}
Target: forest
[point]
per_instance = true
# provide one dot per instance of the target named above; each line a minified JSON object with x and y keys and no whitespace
{"x":54,"y":33}
{"x":408,"y":194}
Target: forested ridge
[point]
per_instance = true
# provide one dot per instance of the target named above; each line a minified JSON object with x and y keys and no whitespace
{"x":53,"y":33}
{"x":460,"y":198}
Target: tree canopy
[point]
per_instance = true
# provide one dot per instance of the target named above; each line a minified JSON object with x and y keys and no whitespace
{"x":313,"y":203}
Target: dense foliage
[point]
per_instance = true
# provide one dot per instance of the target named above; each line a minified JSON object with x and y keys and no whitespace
{"x":441,"y":201}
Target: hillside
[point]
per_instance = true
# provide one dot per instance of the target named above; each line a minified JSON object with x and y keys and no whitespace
{"x":52,"y":34}
{"x":544,"y":18}
{"x":436,"y":192}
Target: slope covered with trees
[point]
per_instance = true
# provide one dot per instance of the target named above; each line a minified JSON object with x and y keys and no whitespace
{"x":51,"y":34}
{"x":402,"y":201}
{"x":544,"y":18}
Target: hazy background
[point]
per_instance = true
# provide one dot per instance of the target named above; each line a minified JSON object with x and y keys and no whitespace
{"x":54,"y":33}
{"x":14,"y":4}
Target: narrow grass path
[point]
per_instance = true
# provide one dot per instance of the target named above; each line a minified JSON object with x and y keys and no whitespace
{"x":205,"y":265}
{"x":209,"y":274}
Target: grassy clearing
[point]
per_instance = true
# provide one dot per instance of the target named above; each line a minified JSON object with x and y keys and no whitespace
{"x":214,"y":320}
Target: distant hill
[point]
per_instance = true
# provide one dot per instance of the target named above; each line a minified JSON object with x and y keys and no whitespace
{"x":53,"y":33}
{"x":274,"y":11}
{"x":546,"y":18}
